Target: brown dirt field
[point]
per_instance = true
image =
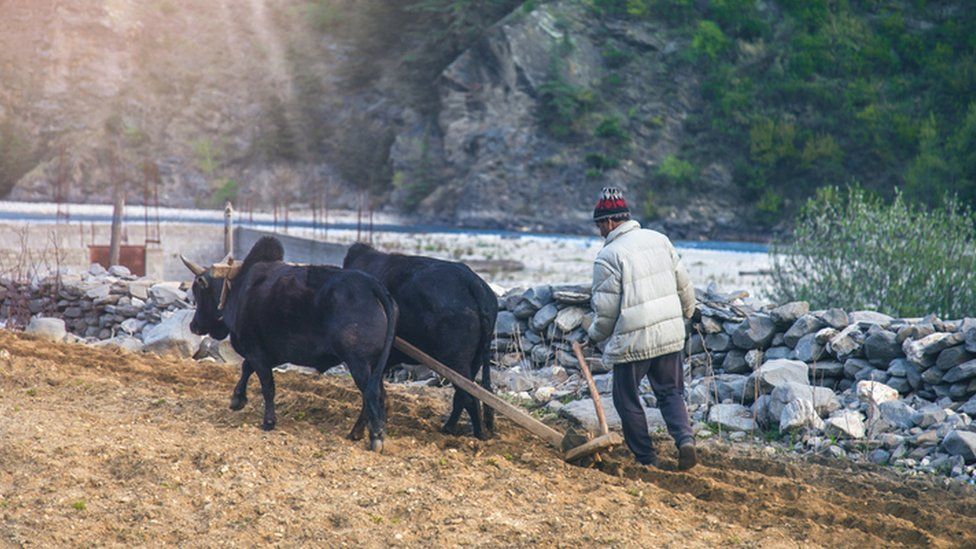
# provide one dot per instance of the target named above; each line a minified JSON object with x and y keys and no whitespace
{"x":100,"y":447}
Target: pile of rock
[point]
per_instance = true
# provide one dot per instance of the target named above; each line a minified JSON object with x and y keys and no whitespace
{"x":106,"y":307}
{"x":863,"y":385}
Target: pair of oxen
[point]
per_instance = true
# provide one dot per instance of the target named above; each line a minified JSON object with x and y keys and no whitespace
{"x":320,"y":316}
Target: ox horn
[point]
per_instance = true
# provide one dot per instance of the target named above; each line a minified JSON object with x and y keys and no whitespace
{"x":194,"y":268}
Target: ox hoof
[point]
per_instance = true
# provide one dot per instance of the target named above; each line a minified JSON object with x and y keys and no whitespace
{"x":268,"y":425}
{"x":376,"y":445}
{"x":237,"y":403}
{"x":354,"y":435}
{"x":453,"y":430}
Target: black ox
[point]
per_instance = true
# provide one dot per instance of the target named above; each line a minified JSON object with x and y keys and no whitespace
{"x":447,"y":311}
{"x":308,"y":315}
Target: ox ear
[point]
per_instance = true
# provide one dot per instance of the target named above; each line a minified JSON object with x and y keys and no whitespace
{"x":197,"y":270}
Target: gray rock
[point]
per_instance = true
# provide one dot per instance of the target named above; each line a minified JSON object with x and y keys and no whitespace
{"x":953,"y":356}
{"x":808,"y":350}
{"x":824,"y":336}
{"x":853,"y":366}
{"x":932,"y":376}
{"x":881,"y":347}
{"x":846,"y":424}
{"x":879,"y":456}
{"x":846,"y":343}
{"x":800,"y":414}
{"x":824,"y":400}
{"x":582,"y":413}
{"x":718,"y":342}
{"x":541,"y":354}
{"x":919,"y":351}
{"x":97,"y":270}
{"x":756,"y":332}
{"x":898,"y":413}
{"x":524,"y":309}
{"x":806,"y":324}
{"x":120,"y":271}
{"x":964,"y":371}
{"x":969,"y":407}
{"x":572,"y":295}
{"x":695,"y":345}
{"x":777,"y":353}
{"x":166,"y":293}
{"x":735,"y":363}
{"x":775,"y":373}
{"x":900,"y":384}
{"x":873,"y":392}
{"x":785,"y":315}
{"x":541,"y":320}
{"x":48,"y":329}
{"x":869,"y":318}
{"x":959,"y":390}
{"x":514,"y":381}
{"x":539,"y":296}
{"x":132,"y":325}
{"x":835,"y":318}
{"x":710,"y":325}
{"x":899,"y":367}
{"x":506,"y":325}
{"x":929,"y":415}
{"x":173,"y":336}
{"x":754,"y":359}
{"x":826,"y":369}
{"x":961,"y":443}
{"x":872,"y":374}
{"x":570,"y":318}
{"x":733,"y":417}
{"x":730,"y":387}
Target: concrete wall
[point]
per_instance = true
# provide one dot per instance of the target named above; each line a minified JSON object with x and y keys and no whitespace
{"x":297,"y":250}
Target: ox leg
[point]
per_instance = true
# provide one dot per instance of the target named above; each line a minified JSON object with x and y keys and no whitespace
{"x":239,"y":397}
{"x":373,"y":406}
{"x":451,"y":425}
{"x":266,"y":376}
{"x":473,"y":406}
{"x":359,"y":429}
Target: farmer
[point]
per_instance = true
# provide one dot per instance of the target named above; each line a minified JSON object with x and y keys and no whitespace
{"x":641,"y":296}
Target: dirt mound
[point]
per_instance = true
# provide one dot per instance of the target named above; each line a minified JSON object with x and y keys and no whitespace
{"x":104,"y":447}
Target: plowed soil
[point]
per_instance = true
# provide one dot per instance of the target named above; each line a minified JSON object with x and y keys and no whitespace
{"x":101,"y":447}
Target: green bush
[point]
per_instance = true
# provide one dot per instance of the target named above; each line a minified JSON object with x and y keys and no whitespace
{"x":562,"y":106}
{"x":676,"y":170}
{"x":853,"y":250}
{"x":610,"y":128}
{"x":601,"y":162}
{"x":708,"y":42}
{"x":226,"y":191}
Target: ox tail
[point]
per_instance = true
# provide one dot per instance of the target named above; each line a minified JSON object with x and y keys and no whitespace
{"x":487,"y":312}
{"x":374,"y":387}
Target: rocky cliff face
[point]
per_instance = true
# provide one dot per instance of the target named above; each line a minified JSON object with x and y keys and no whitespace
{"x":547,"y":108}
{"x":518,"y":126}
{"x":204,"y":95}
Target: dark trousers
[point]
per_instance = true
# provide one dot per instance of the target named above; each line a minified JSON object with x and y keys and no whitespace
{"x":666,"y":375}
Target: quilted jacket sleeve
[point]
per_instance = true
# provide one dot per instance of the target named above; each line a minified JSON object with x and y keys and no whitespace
{"x":686,"y":290}
{"x":606,"y":300}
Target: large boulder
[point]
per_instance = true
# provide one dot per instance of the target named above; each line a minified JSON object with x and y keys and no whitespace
{"x":847,"y":342}
{"x":953,"y":356}
{"x":961,"y":443}
{"x":733,"y":417}
{"x":823,"y":399}
{"x":775,"y":373}
{"x":167,"y":293}
{"x":173,"y":336}
{"x":756,"y":332}
{"x":48,"y":329}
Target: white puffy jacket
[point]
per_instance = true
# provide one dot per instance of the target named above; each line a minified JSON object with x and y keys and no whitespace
{"x":641,"y":295}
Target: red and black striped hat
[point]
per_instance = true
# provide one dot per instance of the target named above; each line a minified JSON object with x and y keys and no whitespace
{"x":611,"y":204}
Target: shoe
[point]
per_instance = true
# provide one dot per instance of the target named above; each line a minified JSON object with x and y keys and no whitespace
{"x":687,"y":457}
{"x":653,"y":462}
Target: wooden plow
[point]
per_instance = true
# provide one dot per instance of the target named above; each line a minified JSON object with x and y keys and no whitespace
{"x":604,"y":441}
